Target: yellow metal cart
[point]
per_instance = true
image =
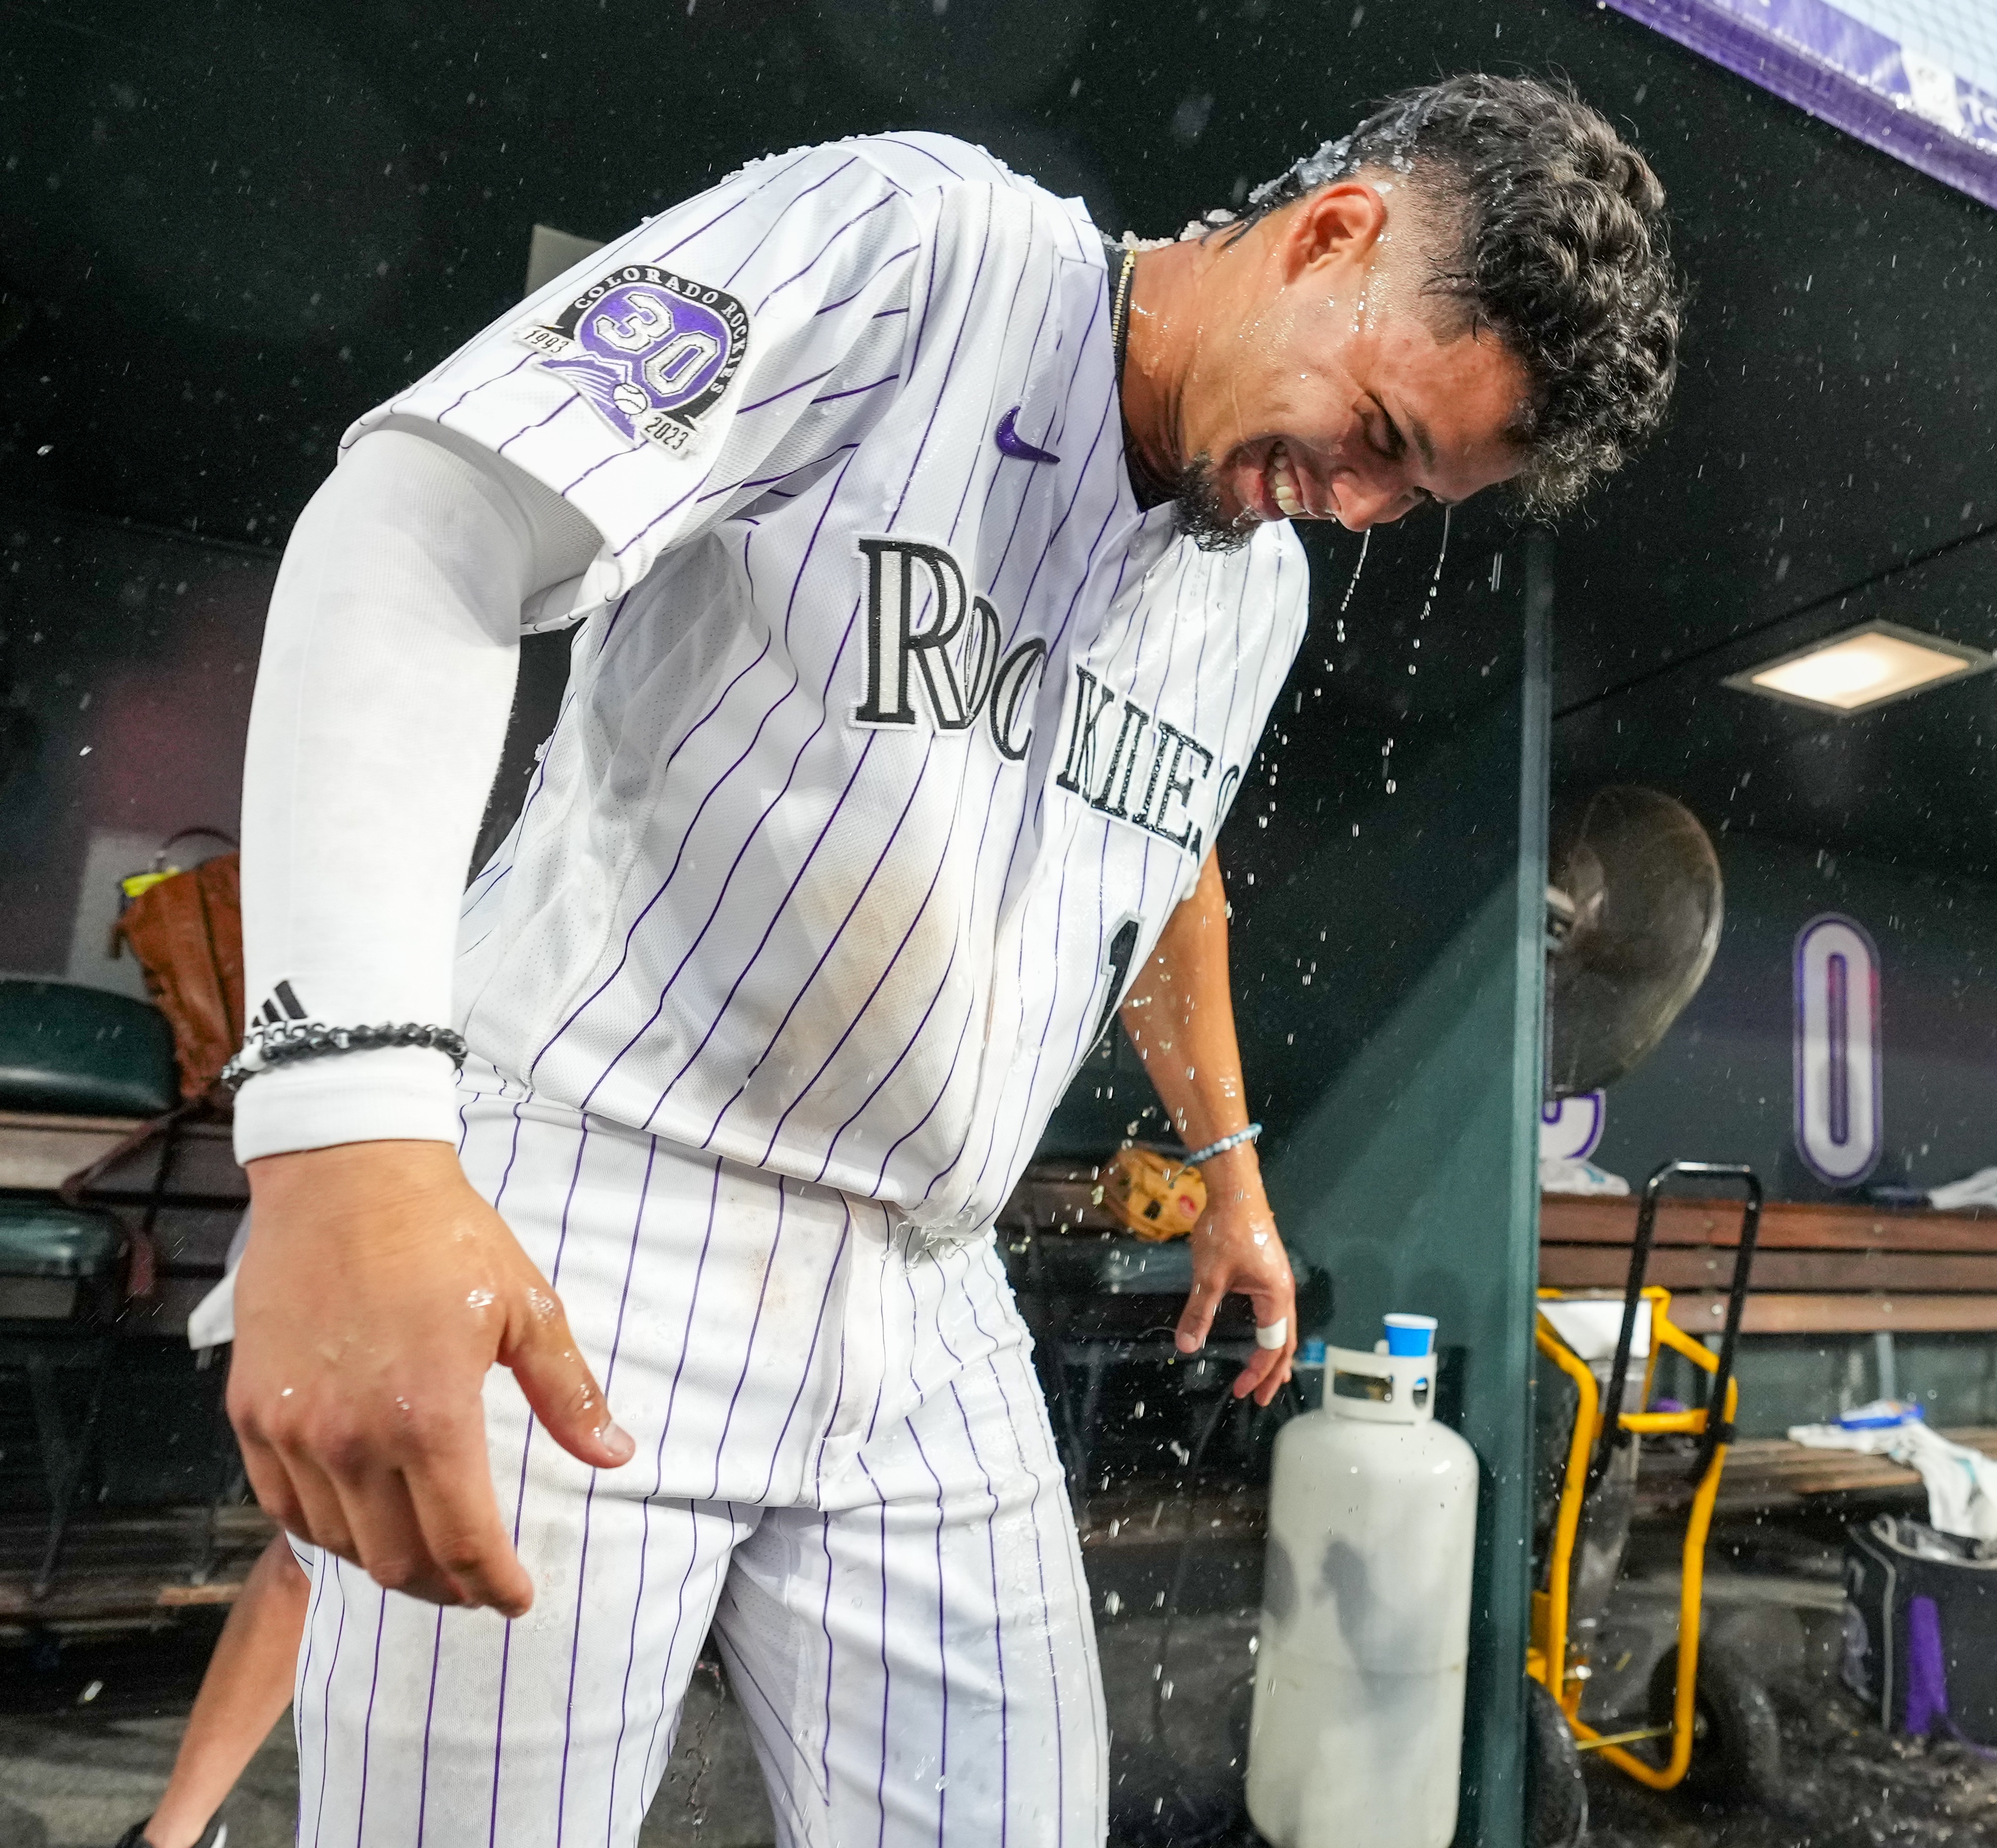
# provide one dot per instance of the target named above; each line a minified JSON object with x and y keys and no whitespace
{"x":1711,"y":1721}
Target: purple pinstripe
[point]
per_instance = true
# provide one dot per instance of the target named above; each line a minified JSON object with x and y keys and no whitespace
{"x":860,"y":1110}
{"x":630,"y":934}
{"x":526,"y":1448}
{"x":810,"y":1354}
{"x":754,"y":249}
{"x":1088,"y":565}
{"x":1040,"y":1570}
{"x":749,"y":1346}
{"x":799,"y":275}
{"x":480,"y":386}
{"x":654,"y":1745}
{"x":881,"y":1300}
{"x":367,"y":1726}
{"x":1085,"y":1019}
{"x":686,"y":1334}
{"x":887,"y":1675}
{"x":943,"y":1651}
{"x":589,"y":1495}
{"x":1120,"y":491}
{"x":926,"y":153}
{"x":734,"y":866}
{"x":858,"y":391}
{"x":838,"y":1384}
{"x":782,"y":474}
{"x":969,"y":1009}
{"x":1024,"y":477}
{"x":997,"y":382}
{"x":659,"y":1467}
{"x":802,"y":385}
{"x":832,"y":939}
{"x":738,"y":1665}
{"x":687,"y":835}
{"x":436,"y":1638}
{"x":997,"y":1607}
{"x":325,"y":1694}
{"x":950,"y":365}
{"x":741,"y":853}
{"x":893,"y":257}
{"x":942,"y":860}
{"x":803,"y":155}
{"x":630,"y":1658}
{"x":429,"y":1717}
{"x":526,"y":428}
{"x":632,"y":448}
{"x":963,"y":1029}
{"x":777,"y":914}
{"x":303,"y":1679}
{"x":825,"y":1624}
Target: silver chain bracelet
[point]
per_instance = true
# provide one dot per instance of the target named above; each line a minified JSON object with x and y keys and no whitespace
{"x":284,"y":1043}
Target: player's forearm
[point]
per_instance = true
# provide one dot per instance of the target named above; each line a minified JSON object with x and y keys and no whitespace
{"x":388,"y":670}
{"x":1180,"y":1016}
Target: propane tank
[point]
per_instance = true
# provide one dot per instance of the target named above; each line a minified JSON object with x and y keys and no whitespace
{"x":1357,"y":1735}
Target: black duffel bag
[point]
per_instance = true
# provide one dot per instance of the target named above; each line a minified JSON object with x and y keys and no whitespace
{"x":1920,"y":1629}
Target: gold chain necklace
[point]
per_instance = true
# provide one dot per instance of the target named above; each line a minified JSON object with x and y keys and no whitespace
{"x":1119,"y":312}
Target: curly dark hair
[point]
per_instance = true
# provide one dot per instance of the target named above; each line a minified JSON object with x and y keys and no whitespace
{"x":1559,"y":245}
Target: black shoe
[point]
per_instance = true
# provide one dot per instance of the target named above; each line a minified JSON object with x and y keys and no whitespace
{"x":214,"y":1835}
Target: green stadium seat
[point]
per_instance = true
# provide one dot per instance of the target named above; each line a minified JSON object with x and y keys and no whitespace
{"x":66,"y":1050}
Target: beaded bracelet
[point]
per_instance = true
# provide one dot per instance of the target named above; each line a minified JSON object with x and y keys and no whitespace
{"x":283,"y":1043}
{"x":1222,"y":1146}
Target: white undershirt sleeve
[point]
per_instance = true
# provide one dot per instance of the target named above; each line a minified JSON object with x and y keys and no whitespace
{"x":382,"y":697}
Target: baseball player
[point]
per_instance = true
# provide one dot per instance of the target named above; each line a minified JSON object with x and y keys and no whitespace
{"x":929,"y":572}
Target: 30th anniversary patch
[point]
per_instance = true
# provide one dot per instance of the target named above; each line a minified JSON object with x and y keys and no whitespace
{"x":651,"y":351}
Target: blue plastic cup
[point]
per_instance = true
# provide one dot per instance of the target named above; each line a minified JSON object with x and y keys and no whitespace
{"x":1411,"y":1334}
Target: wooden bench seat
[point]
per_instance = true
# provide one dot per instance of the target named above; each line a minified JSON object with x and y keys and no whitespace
{"x":1767,"y":1474}
{"x":1818,"y":1270}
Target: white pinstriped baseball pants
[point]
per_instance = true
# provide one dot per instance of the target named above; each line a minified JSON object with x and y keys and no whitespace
{"x":843,"y":1467}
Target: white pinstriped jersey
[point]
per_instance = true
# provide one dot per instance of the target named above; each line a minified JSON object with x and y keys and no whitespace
{"x":895,"y":728}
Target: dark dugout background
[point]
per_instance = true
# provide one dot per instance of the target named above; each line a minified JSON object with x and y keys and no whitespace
{"x":226,"y":228}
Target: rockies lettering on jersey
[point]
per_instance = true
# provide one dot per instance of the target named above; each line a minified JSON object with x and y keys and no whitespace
{"x":1179,"y":764}
{"x":820,"y":871}
{"x":956,"y":655}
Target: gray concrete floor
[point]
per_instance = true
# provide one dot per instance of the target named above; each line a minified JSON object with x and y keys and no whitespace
{"x":78,"y":1776}
{"x":76,"y":1773}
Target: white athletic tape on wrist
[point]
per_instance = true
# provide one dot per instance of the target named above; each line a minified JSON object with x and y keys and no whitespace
{"x":1275,"y":1334}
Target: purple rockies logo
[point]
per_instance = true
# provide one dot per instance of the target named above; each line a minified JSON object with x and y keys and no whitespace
{"x":651,"y":351}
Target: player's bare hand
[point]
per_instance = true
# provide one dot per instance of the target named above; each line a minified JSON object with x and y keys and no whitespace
{"x":1236,"y":1247}
{"x":378,"y":1289}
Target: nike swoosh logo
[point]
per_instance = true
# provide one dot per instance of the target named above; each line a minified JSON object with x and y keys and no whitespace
{"x":1011,"y":443}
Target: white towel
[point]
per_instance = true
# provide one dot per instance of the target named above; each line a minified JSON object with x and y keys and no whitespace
{"x":1962,"y":1482}
{"x":212,"y":1320}
{"x":1979,"y":1189}
{"x":1567,"y":1175}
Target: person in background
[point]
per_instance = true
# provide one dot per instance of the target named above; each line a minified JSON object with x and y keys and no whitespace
{"x":243,"y":1694}
{"x":248,"y":1685}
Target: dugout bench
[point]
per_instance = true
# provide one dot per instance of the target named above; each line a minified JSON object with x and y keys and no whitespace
{"x":1858,"y":1278}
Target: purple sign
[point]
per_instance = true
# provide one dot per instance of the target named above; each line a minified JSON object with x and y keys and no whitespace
{"x":1899,"y":98}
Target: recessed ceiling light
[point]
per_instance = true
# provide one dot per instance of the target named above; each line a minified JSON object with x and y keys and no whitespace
{"x":1863,"y":667}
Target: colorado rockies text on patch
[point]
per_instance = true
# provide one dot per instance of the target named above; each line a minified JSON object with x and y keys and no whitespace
{"x":650,"y":350}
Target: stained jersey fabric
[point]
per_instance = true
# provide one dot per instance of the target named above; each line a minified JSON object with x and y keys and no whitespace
{"x":895,"y":729}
